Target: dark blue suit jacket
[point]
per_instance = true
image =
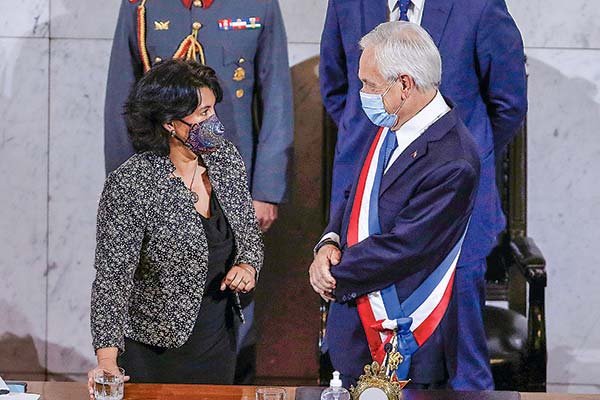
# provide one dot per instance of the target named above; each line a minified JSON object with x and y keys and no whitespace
{"x":483,"y":74}
{"x":424,"y":206}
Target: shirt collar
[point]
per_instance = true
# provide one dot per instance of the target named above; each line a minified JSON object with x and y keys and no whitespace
{"x":418,"y":124}
{"x":419,"y":4}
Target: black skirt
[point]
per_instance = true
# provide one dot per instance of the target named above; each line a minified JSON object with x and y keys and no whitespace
{"x":208,"y":356}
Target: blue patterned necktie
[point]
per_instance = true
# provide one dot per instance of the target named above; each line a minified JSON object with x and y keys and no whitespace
{"x":403,"y":7}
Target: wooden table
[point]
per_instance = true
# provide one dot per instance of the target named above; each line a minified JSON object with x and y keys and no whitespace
{"x":147,"y":391}
{"x":139,"y":391}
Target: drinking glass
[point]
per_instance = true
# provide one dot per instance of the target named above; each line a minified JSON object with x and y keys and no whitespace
{"x":270,"y":393}
{"x":109,"y":386}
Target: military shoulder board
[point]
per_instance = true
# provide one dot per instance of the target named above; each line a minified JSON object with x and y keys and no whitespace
{"x":240,"y":24}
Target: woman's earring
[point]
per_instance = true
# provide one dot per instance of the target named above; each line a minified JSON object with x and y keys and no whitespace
{"x":173,"y":133}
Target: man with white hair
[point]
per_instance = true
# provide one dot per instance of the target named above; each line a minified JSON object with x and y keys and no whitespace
{"x":388,"y":257}
{"x":484,"y":75}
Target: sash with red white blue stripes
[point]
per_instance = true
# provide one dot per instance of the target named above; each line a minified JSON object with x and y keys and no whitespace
{"x":384,"y":318}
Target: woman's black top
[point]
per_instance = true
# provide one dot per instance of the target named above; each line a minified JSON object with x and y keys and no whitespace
{"x":152,"y":251}
{"x":208,"y":357}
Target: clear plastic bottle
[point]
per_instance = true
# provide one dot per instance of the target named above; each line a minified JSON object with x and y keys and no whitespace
{"x":335,"y":391}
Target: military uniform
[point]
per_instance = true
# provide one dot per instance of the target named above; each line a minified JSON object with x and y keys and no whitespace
{"x":245,"y":43}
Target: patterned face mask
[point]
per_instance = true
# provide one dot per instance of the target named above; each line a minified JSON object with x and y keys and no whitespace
{"x":205,"y":136}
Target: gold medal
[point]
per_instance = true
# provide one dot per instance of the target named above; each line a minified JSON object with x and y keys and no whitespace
{"x":239,"y":74}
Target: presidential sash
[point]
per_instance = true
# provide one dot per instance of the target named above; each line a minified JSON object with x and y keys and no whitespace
{"x":409,"y":324}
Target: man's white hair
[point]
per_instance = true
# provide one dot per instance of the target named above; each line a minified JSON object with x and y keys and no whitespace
{"x":404,"y":48}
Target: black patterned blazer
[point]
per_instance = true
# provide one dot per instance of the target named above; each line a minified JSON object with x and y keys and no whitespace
{"x":152,"y":253}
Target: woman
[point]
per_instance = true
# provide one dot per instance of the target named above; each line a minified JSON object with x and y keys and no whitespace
{"x":177,"y":237}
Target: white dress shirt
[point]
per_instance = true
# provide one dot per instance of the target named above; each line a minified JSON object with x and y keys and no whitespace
{"x":415,"y":10}
{"x":414,"y":127}
{"x":408,"y":133}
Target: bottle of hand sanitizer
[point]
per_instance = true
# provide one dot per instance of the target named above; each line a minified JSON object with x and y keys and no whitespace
{"x":335,"y":391}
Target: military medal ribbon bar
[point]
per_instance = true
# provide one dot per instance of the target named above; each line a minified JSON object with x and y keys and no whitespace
{"x":240,"y":24}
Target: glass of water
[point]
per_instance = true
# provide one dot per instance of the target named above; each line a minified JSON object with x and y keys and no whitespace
{"x":109,"y":386}
{"x":270,"y":393}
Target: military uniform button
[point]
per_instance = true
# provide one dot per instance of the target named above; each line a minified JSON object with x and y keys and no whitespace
{"x":196,"y":25}
{"x":239,"y":74}
{"x":242,"y":60}
{"x":239,"y":93}
{"x":157,"y":59}
{"x":197,"y":3}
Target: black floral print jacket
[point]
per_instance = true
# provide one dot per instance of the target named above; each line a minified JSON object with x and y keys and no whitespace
{"x":152,"y":252}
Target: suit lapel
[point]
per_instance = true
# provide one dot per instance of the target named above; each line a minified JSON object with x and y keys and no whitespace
{"x":217,"y":164}
{"x":435,"y":17}
{"x":418,"y":148}
{"x":415,"y":151}
{"x":412,"y":153}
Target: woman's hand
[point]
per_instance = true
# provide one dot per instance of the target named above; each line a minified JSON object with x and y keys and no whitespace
{"x":240,"y":278}
{"x":107,"y":361}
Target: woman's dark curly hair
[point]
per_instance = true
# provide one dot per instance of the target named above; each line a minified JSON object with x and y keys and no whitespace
{"x":168,"y":92}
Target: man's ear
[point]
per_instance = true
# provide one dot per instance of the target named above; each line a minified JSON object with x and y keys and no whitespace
{"x":407,"y":82}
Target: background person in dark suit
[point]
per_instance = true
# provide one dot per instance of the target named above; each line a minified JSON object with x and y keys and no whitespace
{"x":405,"y":218}
{"x":245,"y":43}
{"x":484,"y":75}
